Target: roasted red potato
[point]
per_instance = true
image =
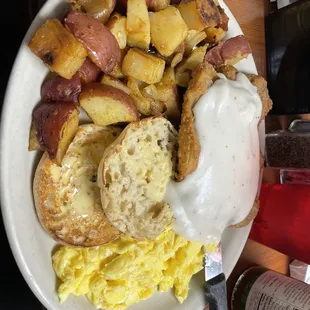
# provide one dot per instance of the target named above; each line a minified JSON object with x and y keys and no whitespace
{"x":121,"y":5}
{"x":56,"y":88}
{"x":229,"y":52}
{"x":106,"y":105}
{"x":117,"y":24}
{"x":199,"y":14}
{"x":55,"y":125}
{"x":89,"y":72}
{"x":138,"y":24}
{"x":116,"y":83}
{"x":215,"y":34}
{"x":143,"y":66}
{"x":143,"y":104}
{"x":58,"y":48}
{"x":158,"y":5}
{"x":168,"y":30}
{"x":188,"y":65}
{"x":99,"y":42}
{"x":98,"y":9}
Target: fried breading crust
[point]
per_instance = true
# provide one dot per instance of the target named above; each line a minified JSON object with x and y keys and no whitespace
{"x":189,"y":147}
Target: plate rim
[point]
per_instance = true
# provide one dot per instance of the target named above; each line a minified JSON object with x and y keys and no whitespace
{"x":5,"y":198}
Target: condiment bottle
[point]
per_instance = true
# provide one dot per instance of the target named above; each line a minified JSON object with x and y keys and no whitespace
{"x":259,"y":288}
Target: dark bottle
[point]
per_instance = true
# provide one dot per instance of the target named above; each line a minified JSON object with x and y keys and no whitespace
{"x":260,"y":288}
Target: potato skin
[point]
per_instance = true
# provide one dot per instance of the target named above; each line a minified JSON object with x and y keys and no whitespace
{"x":89,"y":72}
{"x":99,"y":42}
{"x":98,"y":90}
{"x":229,"y":52}
{"x":49,"y":119}
{"x":57,"y":88}
{"x":106,"y":92}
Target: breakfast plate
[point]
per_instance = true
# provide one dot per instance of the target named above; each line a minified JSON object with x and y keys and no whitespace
{"x":31,"y":246}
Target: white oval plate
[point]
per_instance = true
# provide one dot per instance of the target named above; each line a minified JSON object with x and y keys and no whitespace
{"x":31,"y":246}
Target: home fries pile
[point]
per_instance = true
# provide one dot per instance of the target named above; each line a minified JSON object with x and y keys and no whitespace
{"x":104,"y":190}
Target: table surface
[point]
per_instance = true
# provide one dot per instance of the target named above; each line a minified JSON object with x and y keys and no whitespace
{"x":250,"y":16}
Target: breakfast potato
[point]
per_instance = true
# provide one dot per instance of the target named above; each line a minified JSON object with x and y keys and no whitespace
{"x":117,"y":70}
{"x":193,"y":38}
{"x":116,"y":83}
{"x":58,"y":48}
{"x":188,"y":65}
{"x":174,"y":59}
{"x":138,"y":24}
{"x":117,"y":25}
{"x":89,"y":72}
{"x":165,"y":97}
{"x":168,"y":30}
{"x":99,"y":42}
{"x":224,"y":19}
{"x":158,"y":5}
{"x":56,"y":88}
{"x":167,"y":89}
{"x":143,"y":104}
{"x":55,"y":125}
{"x":106,"y":105}
{"x":33,"y":144}
{"x":121,"y":5}
{"x":214,"y":35}
{"x":143,"y":66}
{"x":199,"y":14}
{"x":229,"y":52}
{"x":98,"y":9}
{"x":158,"y":106}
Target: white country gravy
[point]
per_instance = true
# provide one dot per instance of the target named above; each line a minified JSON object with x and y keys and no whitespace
{"x":222,"y":190}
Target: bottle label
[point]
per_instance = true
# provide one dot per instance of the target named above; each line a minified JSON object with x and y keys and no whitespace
{"x":272,"y":291}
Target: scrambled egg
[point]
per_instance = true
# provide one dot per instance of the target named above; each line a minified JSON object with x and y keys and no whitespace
{"x":123,"y":272}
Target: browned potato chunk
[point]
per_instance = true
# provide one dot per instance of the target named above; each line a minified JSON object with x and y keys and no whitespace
{"x":199,"y":14}
{"x":117,"y":26}
{"x":193,"y":38}
{"x":214,"y":35}
{"x":99,"y":42}
{"x":188,"y":65}
{"x":138,"y":24}
{"x":98,"y":9}
{"x":143,"y":66}
{"x":56,"y":88}
{"x":117,"y":70}
{"x":106,"y":105}
{"x":158,"y":5}
{"x":165,"y":94}
{"x":229,"y":52}
{"x":58,"y":48}
{"x":168,"y":30}
{"x":110,"y":80}
{"x":143,"y":104}
{"x":55,"y":125}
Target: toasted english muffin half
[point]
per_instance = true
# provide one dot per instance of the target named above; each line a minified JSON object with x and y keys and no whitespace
{"x":133,"y":175}
{"x":67,"y":198}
